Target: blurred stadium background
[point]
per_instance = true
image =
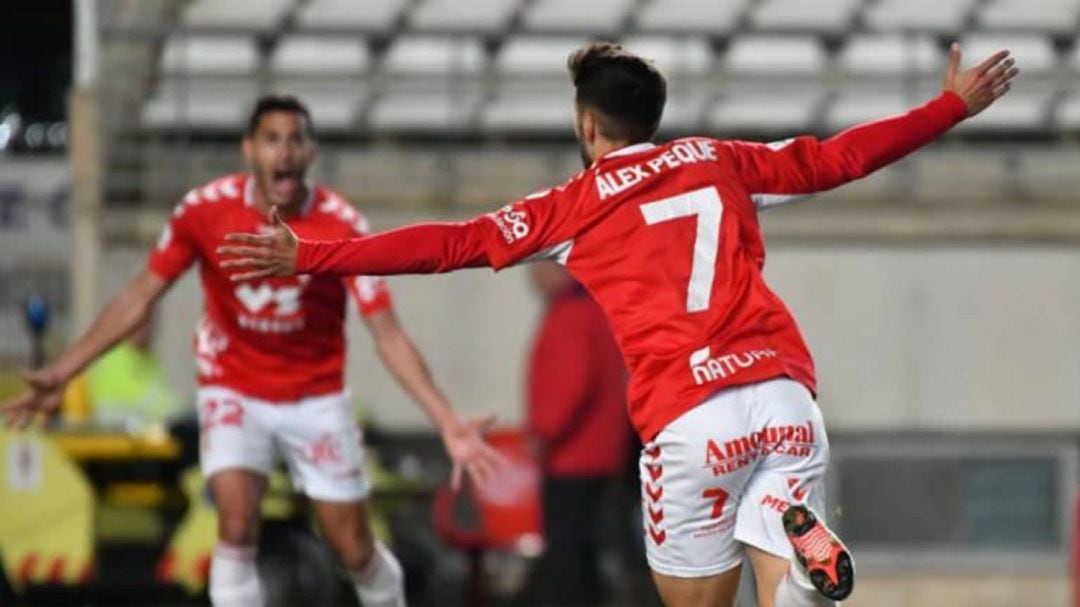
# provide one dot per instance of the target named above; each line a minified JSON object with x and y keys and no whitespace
{"x":940,"y":296}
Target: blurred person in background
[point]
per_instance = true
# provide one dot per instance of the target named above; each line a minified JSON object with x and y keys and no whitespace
{"x":577,"y":416}
{"x":666,"y":238}
{"x":127,"y":386}
{"x":270,"y":360}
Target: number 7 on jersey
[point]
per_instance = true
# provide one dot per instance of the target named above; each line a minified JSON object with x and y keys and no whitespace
{"x":705,"y":204}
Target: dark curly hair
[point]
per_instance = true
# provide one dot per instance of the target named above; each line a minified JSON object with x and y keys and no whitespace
{"x":627,"y":91}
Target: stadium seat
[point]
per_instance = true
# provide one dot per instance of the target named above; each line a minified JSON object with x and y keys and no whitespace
{"x":1058,"y":16}
{"x":440,"y":55}
{"x":419,"y":111}
{"x":321,"y":55}
{"x":676,"y":57}
{"x":773,"y":110}
{"x":218,"y":104}
{"x":1034,"y":53}
{"x":244,"y":15}
{"x":890,"y":55}
{"x":713,"y":17}
{"x":819,"y":16}
{"x":572,"y":16}
{"x":684,"y":112}
{"x":536,"y":55}
{"x":369,"y":16}
{"x":775,"y":55}
{"x":334,"y":102}
{"x":475,"y":16}
{"x":863,"y":104}
{"x":1067,"y":114}
{"x":529,"y":107}
{"x":929,"y":16}
{"x":1019,"y":111}
{"x":209,"y":54}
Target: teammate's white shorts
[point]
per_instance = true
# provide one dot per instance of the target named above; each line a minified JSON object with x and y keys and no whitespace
{"x":723,"y":473}
{"x":317,"y":437}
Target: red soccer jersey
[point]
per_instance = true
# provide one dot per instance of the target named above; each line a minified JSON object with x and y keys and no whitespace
{"x":666,"y":238}
{"x":278,"y":339}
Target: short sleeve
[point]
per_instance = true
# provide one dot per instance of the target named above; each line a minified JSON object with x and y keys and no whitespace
{"x":175,"y":249}
{"x":539,"y":226}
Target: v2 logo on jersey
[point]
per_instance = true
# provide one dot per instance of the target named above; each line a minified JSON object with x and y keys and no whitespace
{"x":285,"y":302}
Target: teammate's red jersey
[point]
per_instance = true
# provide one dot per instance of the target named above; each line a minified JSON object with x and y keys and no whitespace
{"x":274,"y":339}
{"x":666,"y":238}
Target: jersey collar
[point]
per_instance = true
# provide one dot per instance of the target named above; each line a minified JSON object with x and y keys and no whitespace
{"x":630,"y":149}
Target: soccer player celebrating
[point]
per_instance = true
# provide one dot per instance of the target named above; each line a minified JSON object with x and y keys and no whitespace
{"x":270,"y":356}
{"x":666,"y":238}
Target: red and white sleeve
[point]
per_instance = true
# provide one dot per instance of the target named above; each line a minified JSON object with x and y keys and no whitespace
{"x":175,"y":249}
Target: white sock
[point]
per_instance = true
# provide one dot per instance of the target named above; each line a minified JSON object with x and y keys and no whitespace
{"x":234,"y":581}
{"x":381,"y":583}
{"x":796,"y":590}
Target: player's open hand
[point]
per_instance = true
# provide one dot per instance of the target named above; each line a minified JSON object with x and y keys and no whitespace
{"x":261,"y":255}
{"x":42,"y":397}
{"x":981,"y":85}
{"x":470,"y":453}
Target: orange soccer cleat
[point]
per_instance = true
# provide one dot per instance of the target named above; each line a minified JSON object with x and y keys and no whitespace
{"x":825,"y":558}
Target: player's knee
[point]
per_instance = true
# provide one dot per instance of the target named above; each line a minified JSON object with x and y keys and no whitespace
{"x":355,"y":551}
{"x":238,"y":527}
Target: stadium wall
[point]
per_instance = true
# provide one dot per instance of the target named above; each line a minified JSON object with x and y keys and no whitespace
{"x":972,"y":337}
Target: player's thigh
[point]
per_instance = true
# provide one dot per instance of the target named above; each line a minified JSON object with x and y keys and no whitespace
{"x":237,"y":496}
{"x":234,"y":432}
{"x":795,"y":454}
{"x":769,"y":569}
{"x":692,"y":475}
{"x":716,"y":590}
{"x":323,"y":448}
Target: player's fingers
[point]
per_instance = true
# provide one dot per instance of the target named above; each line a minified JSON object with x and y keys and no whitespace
{"x":1005,"y":77}
{"x":954,"y":62}
{"x":991,"y":61}
{"x":1000,"y":69}
{"x":264,"y":272}
{"x":486,"y":423}
{"x":275,"y":217}
{"x":249,"y":238}
{"x":244,"y":262}
{"x":455,"y":477}
{"x":16,"y":404}
{"x":245,"y":251}
{"x":1001,"y":90}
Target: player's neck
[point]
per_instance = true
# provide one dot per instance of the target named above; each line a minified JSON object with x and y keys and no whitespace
{"x":604,"y":147}
{"x":290,"y":209}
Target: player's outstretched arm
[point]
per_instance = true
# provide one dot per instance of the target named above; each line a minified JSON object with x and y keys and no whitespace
{"x":427,"y":248}
{"x":115,"y":322}
{"x":804,"y":165}
{"x":463,"y":438}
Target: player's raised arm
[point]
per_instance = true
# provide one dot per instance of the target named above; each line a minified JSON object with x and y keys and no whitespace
{"x":427,"y":248}
{"x":518,"y":231}
{"x":126,"y":311}
{"x":804,"y":165}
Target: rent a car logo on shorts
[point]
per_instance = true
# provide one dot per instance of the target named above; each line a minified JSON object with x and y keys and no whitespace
{"x":513,"y":223}
{"x":707,"y":368}
{"x":731,"y":455}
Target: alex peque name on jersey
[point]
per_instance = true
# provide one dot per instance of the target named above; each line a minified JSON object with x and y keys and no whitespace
{"x":619,"y":180}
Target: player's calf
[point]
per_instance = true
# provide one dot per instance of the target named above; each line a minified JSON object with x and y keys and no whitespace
{"x":822,"y":555}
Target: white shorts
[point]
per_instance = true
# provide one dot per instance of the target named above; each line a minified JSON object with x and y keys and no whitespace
{"x":317,"y":437}
{"x":723,"y":473}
